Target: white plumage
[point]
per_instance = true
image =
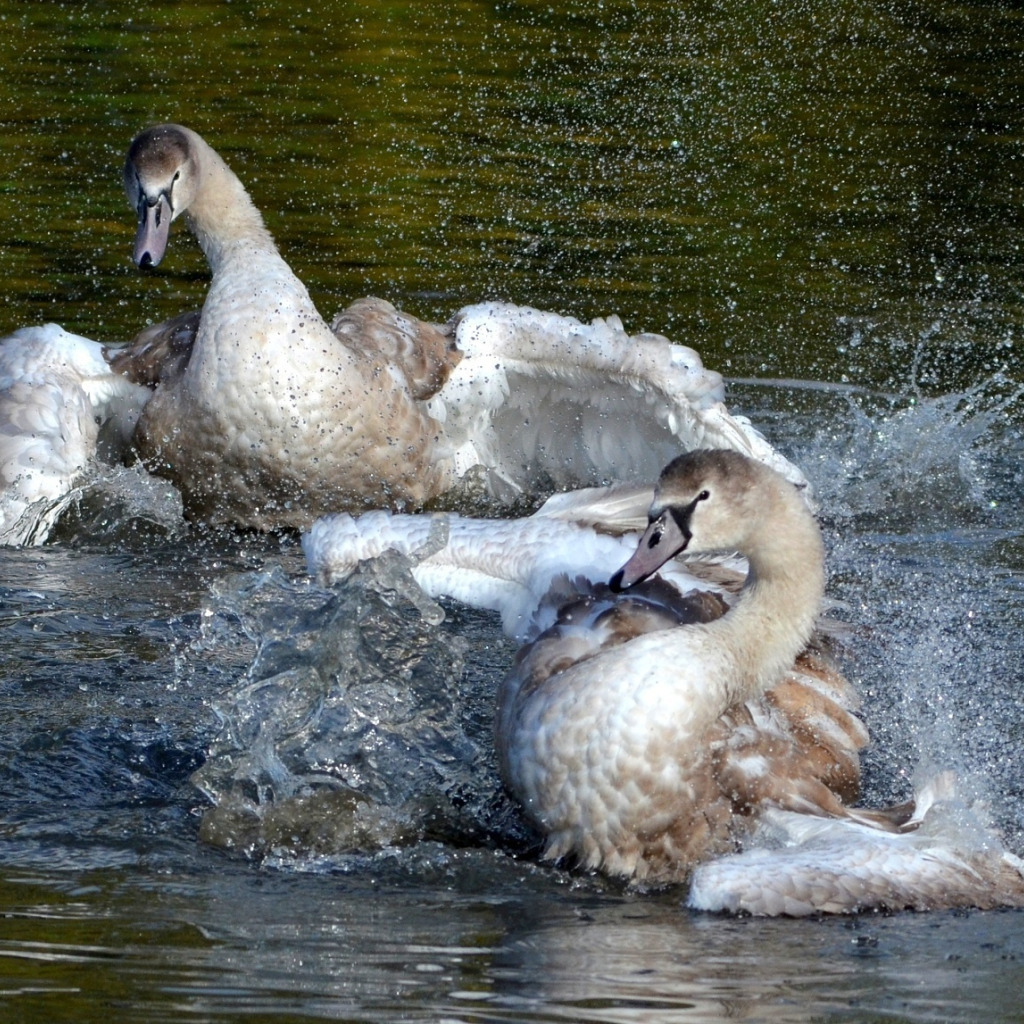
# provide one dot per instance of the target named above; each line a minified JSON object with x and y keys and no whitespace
{"x":59,"y":400}
{"x":946,"y":855}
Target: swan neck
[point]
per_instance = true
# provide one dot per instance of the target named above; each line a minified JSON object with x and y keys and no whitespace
{"x":221,"y":215}
{"x":778,"y":607}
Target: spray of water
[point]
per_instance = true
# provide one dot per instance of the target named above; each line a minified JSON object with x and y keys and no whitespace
{"x":358,"y":725}
{"x":920,"y":499}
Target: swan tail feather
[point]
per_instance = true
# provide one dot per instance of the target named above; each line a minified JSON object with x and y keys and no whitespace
{"x":801,"y":864}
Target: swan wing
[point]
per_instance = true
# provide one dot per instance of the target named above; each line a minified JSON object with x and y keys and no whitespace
{"x":544,"y":401}
{"x":422,"y":354}
{"x":60,"y":407}
{"x":520,"y":568}
{"x":617,"y":508}
{"x":158,"y":353}
{"x":801,"y":864}
{"x":503,"y":565}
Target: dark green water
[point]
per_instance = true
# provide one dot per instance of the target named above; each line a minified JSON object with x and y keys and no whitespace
{"x":828,"y":192}
{"x":795,"y":189}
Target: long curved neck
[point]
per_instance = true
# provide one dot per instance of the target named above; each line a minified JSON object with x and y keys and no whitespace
{"x":222,"y":216}
{"x":255,"y":300}
{"x":779,"y":605}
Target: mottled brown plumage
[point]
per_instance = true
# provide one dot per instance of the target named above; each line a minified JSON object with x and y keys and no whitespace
{"x":654,"y":738}
{"x":797,"y":746}
{"x":424,"y":353}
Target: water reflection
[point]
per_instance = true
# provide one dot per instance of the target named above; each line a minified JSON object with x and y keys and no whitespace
{"x":325,"y":948}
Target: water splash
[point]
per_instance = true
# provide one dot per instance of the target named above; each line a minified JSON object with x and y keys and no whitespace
{"x":921,"y":504}
{"x":357,"y":727}
{"x":119,"y":504}
{"x":916,"y":460}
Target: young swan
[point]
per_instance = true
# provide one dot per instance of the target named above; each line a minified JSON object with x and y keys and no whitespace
{"x":276,"y":418}
{"x":618,"y":756}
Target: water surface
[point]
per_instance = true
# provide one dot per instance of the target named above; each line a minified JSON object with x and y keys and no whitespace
{"x":829,"y":197}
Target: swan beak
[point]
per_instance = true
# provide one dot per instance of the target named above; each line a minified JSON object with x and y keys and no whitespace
{"x":153,"y":231}
{"x":663,"y":538}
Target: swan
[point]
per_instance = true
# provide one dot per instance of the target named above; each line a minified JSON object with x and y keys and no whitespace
{"x":277,"y":419}
{"x":651,"y":728}
{"x":537,"y":572}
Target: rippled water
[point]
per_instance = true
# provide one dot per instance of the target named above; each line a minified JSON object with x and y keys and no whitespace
{"x":827,"y":195}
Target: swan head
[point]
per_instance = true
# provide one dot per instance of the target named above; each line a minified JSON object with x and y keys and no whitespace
{"x":704,"y":501}
{"x":161,"y":176}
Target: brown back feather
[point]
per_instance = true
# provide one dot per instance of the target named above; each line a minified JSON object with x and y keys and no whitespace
{"x":378,"y":331}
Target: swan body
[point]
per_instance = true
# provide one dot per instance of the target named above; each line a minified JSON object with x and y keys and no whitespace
{"x":610,"y":754}
{"x":655,"y":729}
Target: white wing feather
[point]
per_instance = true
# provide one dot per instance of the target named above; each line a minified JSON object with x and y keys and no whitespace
{"x":58,"y":400}
{"x":544,"y":401}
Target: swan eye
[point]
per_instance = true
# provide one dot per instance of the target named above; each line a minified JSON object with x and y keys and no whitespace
{"x":704,"y":495}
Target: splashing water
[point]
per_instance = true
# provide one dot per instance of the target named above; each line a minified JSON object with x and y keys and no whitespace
{"x":118,"y":502}
{"x":357,"y":727}
{"x":904,"y":458}
{"x":922,"y":510}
